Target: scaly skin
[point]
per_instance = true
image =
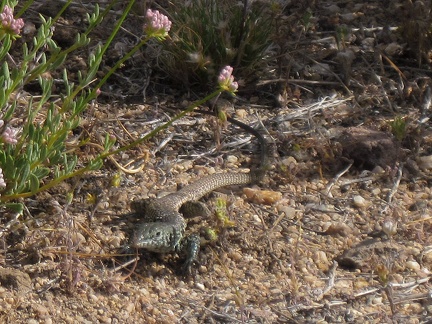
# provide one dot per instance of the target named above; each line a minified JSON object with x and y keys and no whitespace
{"x":164,"y":226}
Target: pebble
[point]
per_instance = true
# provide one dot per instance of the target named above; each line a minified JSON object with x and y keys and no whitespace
{"x":378,"y":170}
{"x":359,"y":201}
{"x":266,"y":197}
{"x":288,"y":161}
{"x":232,"y":159}
{"x":200,"y":286}
{"x":393,"y":49}
{"x":425,"y":162}
{"x":41,"y":310}
{"x":413,"y":265}
{"x":333,"y":9}
{"x":376,"y":191}
{"x":287,"y":210}
{"x":241,"y":113}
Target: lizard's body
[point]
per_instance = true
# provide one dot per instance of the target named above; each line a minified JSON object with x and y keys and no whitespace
{"x":164,"y":226}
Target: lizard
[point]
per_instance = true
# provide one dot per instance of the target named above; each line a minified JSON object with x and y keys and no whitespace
{"x":163,"y":227}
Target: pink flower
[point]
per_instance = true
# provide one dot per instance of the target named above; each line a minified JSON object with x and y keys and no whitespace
{"x":2,"y":181}
{"x":9,"y":23}
{"x":226,"y":80}
{"x":158,"y":25}
{"x":10,"y":135}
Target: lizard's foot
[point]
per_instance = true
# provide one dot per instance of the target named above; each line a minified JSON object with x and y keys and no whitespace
{"x":190,"y":248}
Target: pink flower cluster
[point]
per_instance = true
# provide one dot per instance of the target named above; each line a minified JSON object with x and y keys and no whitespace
{"x":226,"y":79}
{"x":2,"y":181}
{"x":158,"y":25}
{"x":9,"y":134}
{"x":9,"y":23}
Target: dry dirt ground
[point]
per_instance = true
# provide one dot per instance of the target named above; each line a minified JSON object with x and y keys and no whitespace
{"x":344,"y":239}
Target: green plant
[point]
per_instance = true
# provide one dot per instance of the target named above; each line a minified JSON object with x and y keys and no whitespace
{"x":33,"y":151}
{"x":399,"y":128}
{"x":209,"y":34}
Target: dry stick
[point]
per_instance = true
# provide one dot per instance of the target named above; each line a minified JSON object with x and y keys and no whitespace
{"x":282,"y":216}
{"x":111,"y":158}
{"x":388,"y":290}
{"x":427,"y":295}
{"x":351,"y":181}
{"x":326,"y":102}
{"x":331,"y":280}
{"x":124,"y":265}
{"x":348,"y":91}
{"x":378,"y":79}
{"x":163,"y":143}
{"x":336,"y":178}
{"x":395,"y":185}
{"x":297,"y":82}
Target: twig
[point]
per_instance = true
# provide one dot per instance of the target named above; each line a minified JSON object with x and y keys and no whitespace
{"x":331,"y":280}
{"x":297,"y":81}
{"x":163,"y":143}
{"x":395,"y":185}
{"x":314,"y":109}
{"x":336,"y":178}
{"x":111,"y":158}
{"x":351,"y":181}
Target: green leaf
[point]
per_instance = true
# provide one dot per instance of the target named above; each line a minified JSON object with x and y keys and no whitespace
{"x":9,"y":167}
{"x":72,"y":164}
{"x":59,"y":142}
{"x":29,"y":152}
{"x":16,"y":207}
{"x":34,"y":183}
{"x":57,"y":172}
{"x":43,"y":153}
{"x":36,"y":153}
{"x":31,"y":131}
{"x":41,"y":172}
{"x":6,"y":45}
{"x":96,"y":164}
{"x":24,"y":174}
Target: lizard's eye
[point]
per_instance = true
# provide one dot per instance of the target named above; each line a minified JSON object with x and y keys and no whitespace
{"x":158,"y":234}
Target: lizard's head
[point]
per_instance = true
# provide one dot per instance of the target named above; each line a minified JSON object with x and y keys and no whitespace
{"x":156,"y":237}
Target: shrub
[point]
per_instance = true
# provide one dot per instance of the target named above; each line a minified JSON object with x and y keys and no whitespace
{"x":209,"y":34}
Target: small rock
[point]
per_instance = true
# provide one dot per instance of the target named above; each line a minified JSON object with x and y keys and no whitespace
{"x":288,"y":161}
{"x":389,"y":227}
{"x":200,"y":286}
{"x":413,"y":265}
{"x":368,"y":42}
{"x":359,"y":201}
{"x":321,"y":260}
{"x":241,"y":113}
{"x":266,"y":197}
{"x":376,"y":191}
{"x":341,"y":229}
{"x":232,"y":159}
{"x":349,"y":17}
{"x":333,"y":9}
{"x":393,"y":49}
{"x":378,"y":170}
{"x":425,"y":162}
{"x":377,"y":301}
{"x":287,"y":210}
{"x":235,"y":255}
{"x":41,"y":310}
